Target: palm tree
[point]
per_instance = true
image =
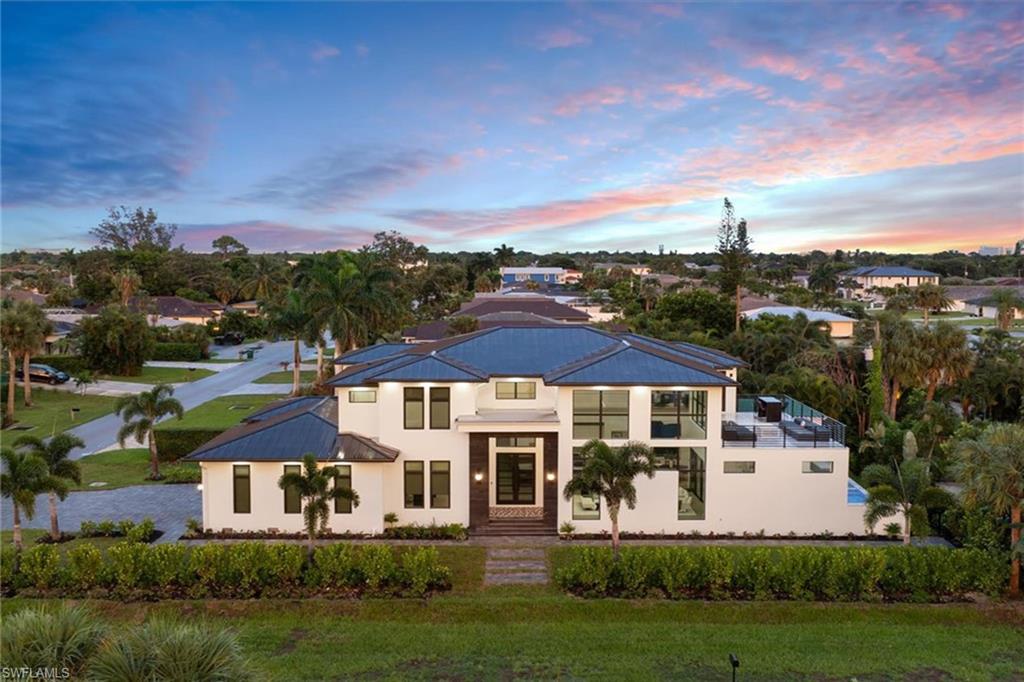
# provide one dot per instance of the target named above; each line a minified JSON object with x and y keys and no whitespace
{"x":61,"y":469}
{"x":903,"y":488}
{"x":945,"y":357}
{"x":127,"y":283}
{"x":140,"y":413}
{"x":24,"y":476}
{"x":504,"y":255}
{"x":462,"y":324}
{"x":1007,"y":302}
{"x":316,"y":488}
{"x":266,"y":278}
{"x":609,"y":472}
{"x":12,"y":325}
{"x":23,"y":329}
{"x":290,"y":317}
{"x":929,"y":297}
{"x":991,"y":469}
{"x":37,"y":328}
{"x":823,"y":278}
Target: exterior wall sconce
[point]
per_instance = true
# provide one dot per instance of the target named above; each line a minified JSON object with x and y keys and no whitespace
{"x":551,"y":476}
{"x":199,"y":487}
{"x":478,"y":476}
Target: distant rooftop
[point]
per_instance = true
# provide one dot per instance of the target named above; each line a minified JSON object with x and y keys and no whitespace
{"x":793,"y":311}
{"x":888,"y":271}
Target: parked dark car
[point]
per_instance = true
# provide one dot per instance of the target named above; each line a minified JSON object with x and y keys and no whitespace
{"x":44,"y":373}
{"x":229,"y":339}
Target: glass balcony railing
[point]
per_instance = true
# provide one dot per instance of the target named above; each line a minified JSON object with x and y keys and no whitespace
{"x":779,"y":421}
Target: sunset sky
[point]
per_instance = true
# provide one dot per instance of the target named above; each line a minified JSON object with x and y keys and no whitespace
{"x":544,"y":126}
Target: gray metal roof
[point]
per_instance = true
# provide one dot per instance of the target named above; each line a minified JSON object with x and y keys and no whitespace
{"x":370,"y":353}
{"x":888,"y":271}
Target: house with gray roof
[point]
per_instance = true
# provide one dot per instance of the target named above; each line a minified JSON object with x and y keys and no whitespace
{"x":861,"y":282}
{"x":484,"y":429}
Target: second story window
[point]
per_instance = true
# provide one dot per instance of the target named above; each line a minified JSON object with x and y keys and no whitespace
{"x":440,"y":408}
{"x":413,"y":418}
{"x":679,"y":414}
{"x":600,"y":414}
{"x":515,"y":390}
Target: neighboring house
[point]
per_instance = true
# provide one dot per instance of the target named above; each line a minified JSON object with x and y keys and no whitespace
{"x":57,"y":342}
{"x":167,"y":311}
{"x":492,"y":311}
{"x":17,"y":295}
{"x":250,"y":308}
{"x":441,"y":329}
{"x":484,"y":429}
{"x":635,"y":268}
{"x":839,"y":326}
{"x":801,"y":278}
{"x":663,"y":280}
{"x":884,"y":276}
{"x":976,"y":299}
{"x":532,"y":273}
{"x":573,"y":276}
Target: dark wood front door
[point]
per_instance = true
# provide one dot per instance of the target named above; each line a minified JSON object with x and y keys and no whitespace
{"x":516,"y":478}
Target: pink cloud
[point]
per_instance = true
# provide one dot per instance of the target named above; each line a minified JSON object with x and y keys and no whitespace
{"x":908,"y":54}
{"x":272,"y":236}
{"x":789,"y":66}
{"x":666,"y":10}
{"x":595,"y":98}
{"x":322,"y":52}
{"x":560,"y":38}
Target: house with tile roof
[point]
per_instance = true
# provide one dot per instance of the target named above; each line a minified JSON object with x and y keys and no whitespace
{"x":484,"y":429}
{"x":862,"y":280}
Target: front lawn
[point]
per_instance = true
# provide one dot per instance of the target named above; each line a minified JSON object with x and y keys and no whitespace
{"x":162,"y":375}
{"x":219,"y":413}
{"x":120,"y":468}
{"x":542,"y":636}
{"x":51,"y":412}
{"x":30,"y":535}
{"x":305,"y":377}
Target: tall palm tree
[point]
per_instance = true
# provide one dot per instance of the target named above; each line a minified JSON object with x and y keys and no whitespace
{"x":62,"y":470}
{"x":140,"y":413}
{"x":12,"y":325}
{"x":945,"y":357}
{"x":266,"y":278}
{"x":1007,"y":302}
{"x":37,"y":328}
{"x":903,"y":488}
{"x":127,"y":283}
{"x":23,"y":329}
{"x":504,"y":255}
{"x":609,"y":472}
{"x":929,"y":297}
{"x":23,"y":477}
{"x":316,"y":488}
{"x":991,"y":469}
{"x":902,"y":358}
{"x":289,"y":317}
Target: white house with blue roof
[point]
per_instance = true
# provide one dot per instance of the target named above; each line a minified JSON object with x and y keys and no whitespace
{"x":484,"y":429}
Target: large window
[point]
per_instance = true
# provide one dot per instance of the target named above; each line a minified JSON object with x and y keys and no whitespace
{"x":679,"y":414}
{"x":413,"y":408}
{"x":823,"y":467}
{"x":414,"y":485}
{"x":343,"y":479}
{"x":692,"y":477}
{"x":292,"y":499}
{"x":440,"y":485}
{"x":584,"y":507}
{"x":515,"y":390}
{"x":362,"y":396}
{"x":600,"y":414}
{"x":242,"y":494}
{"x":440,"y":408}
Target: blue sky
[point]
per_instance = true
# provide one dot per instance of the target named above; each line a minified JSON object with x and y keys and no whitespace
{"x":545,"y":126}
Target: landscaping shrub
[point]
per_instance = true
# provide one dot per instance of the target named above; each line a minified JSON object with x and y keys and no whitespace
{"x":173,"y":444}
{"x":177,"y":352}
{"x":826,"y":573}
{"x":450,"y":531}
{"x":144,"y":531}
{"x":84,"y":569}
{"x":38,"y":639}
{"x":40,"y":567}
{"x":182,"y":474}
{"x":72,"y":364}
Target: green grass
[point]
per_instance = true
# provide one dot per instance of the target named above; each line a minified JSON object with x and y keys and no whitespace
{"x":120,"y":468}
{"x":51,"y":411}
{"x":305,"y":377}
{"x":30,"y":535}
{"x":217,"y":413}
{"x":483,"y":636}
{"x":161,"y":375}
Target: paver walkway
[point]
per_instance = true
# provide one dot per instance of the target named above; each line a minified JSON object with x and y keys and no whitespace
{"x":515,"y":566}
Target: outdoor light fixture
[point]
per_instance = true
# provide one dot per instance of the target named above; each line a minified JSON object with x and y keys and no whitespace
{"x":551,"y":475}
{"x":735,"y":663}
{"x":478,"y":476}
{"x":199,"y":487}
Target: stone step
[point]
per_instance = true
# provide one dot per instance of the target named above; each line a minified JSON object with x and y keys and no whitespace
{"x":515,"y":578}
{"x":514,"y":565}
{"x":515,"y":553}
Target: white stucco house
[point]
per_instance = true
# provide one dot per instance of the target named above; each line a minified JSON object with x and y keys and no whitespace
{"x":484,"y":429}
{"x":863,"y":280}
{"x":840,"y":327}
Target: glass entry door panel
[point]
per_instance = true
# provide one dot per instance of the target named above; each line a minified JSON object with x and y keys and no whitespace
{"x":516,"y":478}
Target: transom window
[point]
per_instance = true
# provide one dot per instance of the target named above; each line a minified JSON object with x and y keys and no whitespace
{"x":515,"y":390}
{"x":738,"y":467}
{"x":679,"y":414}
{"x":822,"y":467}
{"x":600,"y":414}
{"x":364,"y":396}
{"x":515,"y":442}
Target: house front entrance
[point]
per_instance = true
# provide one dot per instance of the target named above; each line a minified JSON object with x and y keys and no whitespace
{"x":516,"y":478}
{"x":513,"y":480}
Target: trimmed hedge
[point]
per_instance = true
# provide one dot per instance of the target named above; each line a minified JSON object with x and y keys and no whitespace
{"x":72,"y":364}
{"x":132,"y":570}
{"x":173,"y":444}
{"x":179,"y":352}
{"x":807,"y":573}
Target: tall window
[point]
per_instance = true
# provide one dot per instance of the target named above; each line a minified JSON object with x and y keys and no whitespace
{"x":343,"y":479}
{"x":679,"y":414}
{"x":692,"y":477}
{"x":440,"y":408}
{"x":515,"y":390}
{"x":584,"y":507}
{"x":414,"y":485}
{"x":600,"y":414}
{"x":414,"y":408}
{"x":292,"y":499}
{"x":440,"y":485}
{"x":242,"y":494}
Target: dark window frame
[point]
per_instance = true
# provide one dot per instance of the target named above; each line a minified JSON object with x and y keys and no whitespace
{"x":752,"y":463}
{"x":342,"y":472}
{"x":446,"y":400}
{"x":422,"y":485}
{"x":698,"y":399}
{"x":408,"y":398}
{"x":368,"y":392}
{"x":516,"y":387}
{"x":602,"y":412}
{"x":577,"y":465}
{"x":236,"y":477}
{"x":435,"y":470}
{"x":291,"y":494}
